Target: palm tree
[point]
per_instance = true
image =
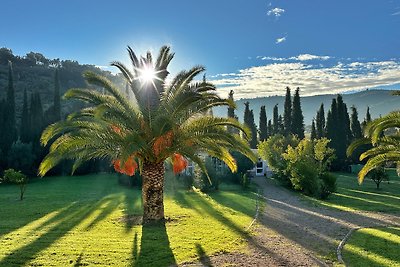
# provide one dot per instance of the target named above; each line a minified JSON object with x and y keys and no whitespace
{"x":154,"y":122}
{"x":384,"y":148}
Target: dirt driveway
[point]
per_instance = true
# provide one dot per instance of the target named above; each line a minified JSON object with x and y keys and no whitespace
{"x":292,"y":232}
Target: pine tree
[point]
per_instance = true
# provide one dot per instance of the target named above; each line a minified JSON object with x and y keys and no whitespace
{"x":320,"y":122}
{"x":366,"y":119}
{"x":25,"y":128}
{"x":275,"y":122}
{"x":313,"y":131}
{"x":287,"y":113}
{"x":355,"y":124}
{"x":9,"y":135}
{"x":263,"y":124}
{"x":297,"y":116}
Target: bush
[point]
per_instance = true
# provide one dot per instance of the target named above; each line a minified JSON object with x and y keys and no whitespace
{"x":378,"y":175}
{"x":327,"y":184}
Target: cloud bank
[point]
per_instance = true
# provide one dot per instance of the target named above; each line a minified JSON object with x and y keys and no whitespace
{"x":271,"y":79}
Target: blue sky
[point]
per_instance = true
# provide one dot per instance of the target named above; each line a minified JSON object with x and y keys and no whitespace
{"x":255,"y":47}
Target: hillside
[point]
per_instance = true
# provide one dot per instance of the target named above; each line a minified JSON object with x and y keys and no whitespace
{"x":380,"y":102}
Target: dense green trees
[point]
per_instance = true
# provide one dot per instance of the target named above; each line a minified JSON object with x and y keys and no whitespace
{"x":297,"y":116}
{"x":287,"y":113}
{"x":231,"y":113}
{"x":320,"y":122}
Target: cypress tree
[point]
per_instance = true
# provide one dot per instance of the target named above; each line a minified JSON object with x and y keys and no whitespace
{"x":275,"y":122}
{"x":287,"y":113}
{"x":249,"y":121}
{"x":231,"y":113}
{"x":281,"y":127}
{"x":297,"y":116}
{"x":9,"y":135}
{"x":270,"y":128}
{"x":263,"y":124}
{"x":355,"y":124}
{"x":313,"y":131}
{"x":331,"y":124}
{"x":25,"y":127}
{"x":320,"y":122}
{"x":368,"y":116}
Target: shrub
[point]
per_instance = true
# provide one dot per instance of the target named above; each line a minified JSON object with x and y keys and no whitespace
{"x":327,"y":184}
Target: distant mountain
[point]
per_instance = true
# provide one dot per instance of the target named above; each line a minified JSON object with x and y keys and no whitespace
{"x":380,"y":103}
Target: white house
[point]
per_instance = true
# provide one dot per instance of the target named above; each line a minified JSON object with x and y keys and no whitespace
{"x":261,"y":167}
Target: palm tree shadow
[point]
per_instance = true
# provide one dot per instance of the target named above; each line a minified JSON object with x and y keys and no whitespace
{"x":155,"y":248}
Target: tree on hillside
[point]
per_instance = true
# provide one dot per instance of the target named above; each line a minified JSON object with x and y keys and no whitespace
{"x":25,"y":127}
{"x":320,"y":122}
{"x":167,"y":121}
{"x":297,"y":116}
{"x":263,"y":125}
{"x":287,"y":113}
{"x":367,"y":119}
{"x":10,"y":131}
{"x":313,"y":135}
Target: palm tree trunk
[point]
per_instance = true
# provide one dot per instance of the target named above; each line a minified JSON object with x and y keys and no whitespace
{"x":153,"y":191}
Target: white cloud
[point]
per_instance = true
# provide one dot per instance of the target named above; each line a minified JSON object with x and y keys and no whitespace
{"x":280,"y":40}
{"x":277,"y":12}
{"x":272,"y":79}
{"x":305,"y":57}
{"x":396,"y":13}
{"x":301,"y":57}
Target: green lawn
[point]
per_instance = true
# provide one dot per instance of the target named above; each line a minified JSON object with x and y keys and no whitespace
{"x":351,"y":196}
{"x":89,"y":220}
{"x":373,"y":247}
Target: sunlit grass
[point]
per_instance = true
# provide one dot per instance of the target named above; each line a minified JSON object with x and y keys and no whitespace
{"x":72,"y":221}
{"x":373,"y":247}
{"x":352,"y":196}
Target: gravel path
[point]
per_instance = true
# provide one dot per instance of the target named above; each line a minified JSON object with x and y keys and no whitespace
{"x":292,"y":232}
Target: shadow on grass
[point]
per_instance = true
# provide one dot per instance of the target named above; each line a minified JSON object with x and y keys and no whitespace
{"x":155,"y":248}
{"x":203,"y":257}
{"x":59,"y":226}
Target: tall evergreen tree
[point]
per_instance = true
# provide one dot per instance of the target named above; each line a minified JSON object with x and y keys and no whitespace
{"x":249,"y":121}
{"x":287,"y":113}
{"x":9,"y":135}
{"x":231,"y":113}
{"x":275,"y":122}
{"x":355,"y":124}
{"x":366,"y":119}
{"x":320,"y":122}
{"x":25,"y":127}
{"x":281,"y":127}
{"x":297,"y":116}
{"x":37,"y":125}
{"x":263,"y":125}
{"x":313,"y":131}
{"x":270,"y":128}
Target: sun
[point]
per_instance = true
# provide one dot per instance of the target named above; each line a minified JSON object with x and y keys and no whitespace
{"x":148,"y":75}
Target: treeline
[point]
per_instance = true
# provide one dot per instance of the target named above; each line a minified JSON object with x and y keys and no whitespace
{"x":29,"y":104}
{"x":340,"y":127}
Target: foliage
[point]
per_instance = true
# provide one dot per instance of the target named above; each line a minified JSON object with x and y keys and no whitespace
{"x":287,"y":113}
{"x":263,"y":124}
{"x":18,"y":178}
{"x":272,"y":151}
{"x":249,"y":122}
{"x":320,"y":122}
{"x":383,"y":148}
{"x":378,"y":175}
{"x":297,"y":116}
{"x":313,"y":134}
{"x":231,"y":113}
{"x":21,"y":157}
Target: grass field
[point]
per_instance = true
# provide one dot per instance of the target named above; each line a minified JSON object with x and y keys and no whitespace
{"x":352,"y":196}
{"x":89,"y":220}
{"x":373,"y":247}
